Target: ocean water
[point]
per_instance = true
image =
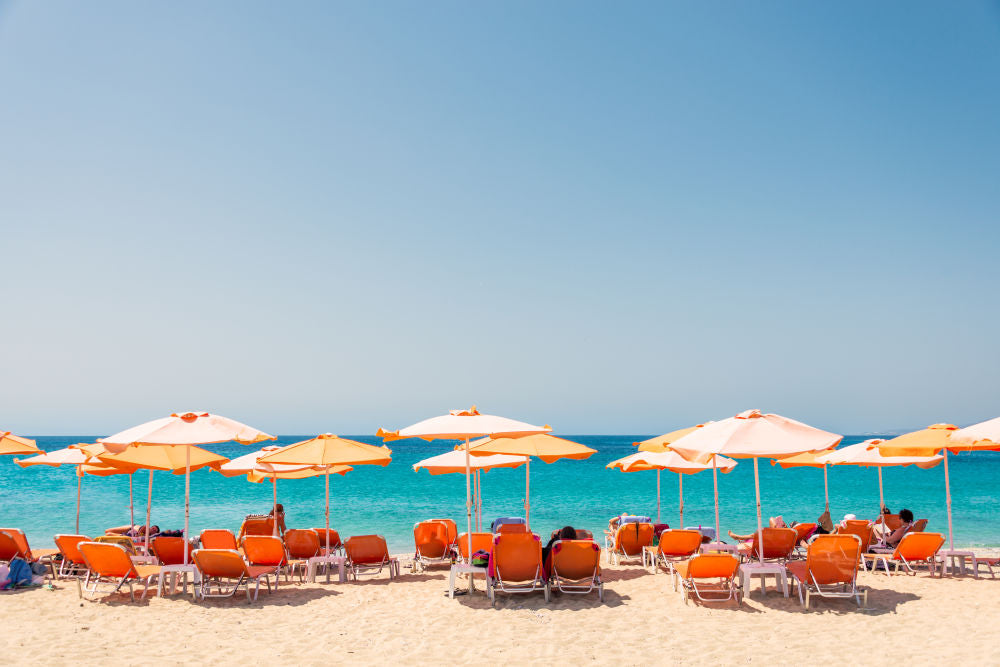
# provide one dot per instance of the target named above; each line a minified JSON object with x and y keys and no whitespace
{"x":389,"y":500}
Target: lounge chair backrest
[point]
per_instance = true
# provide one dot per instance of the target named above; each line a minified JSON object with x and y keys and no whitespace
{"x":123,"y":541}
{"x":8,"y":548}
{"x":804,"y":531}
{"x":107,"y":559}
{"x":857,"y":523}
{"x":679,"y":543}
{"x":778,"y":543}
{"x":710,"y":566}
{"x":20,"y":539}
{"x":512,"y":528}
{"x":517,"y":556}
{"x":256,"y":526}
{"x":335,"y":542}
{"x":918,"y":526}
{"x":833,"y":559}
{"x":480,"y":542}
{"x":218,"y":538}
{"x":584,"y":534}
{"x":170,"y":550}
{"x":630,"y":538}
{"x":264,"y":550}
{"x":862,"y":532}
{"x":69,"y":547}
{"x":504,"y":520}
{"x":366,"y":549}
{"x":892,"y":521}
{"x":919,"y":546}
{"x":302,"y":543}
{"x":222,"y":563}
{"x":452,"y":529}
{"x":633,"y":518}
{"x":431,"y":538}
{"x":576,"y":559}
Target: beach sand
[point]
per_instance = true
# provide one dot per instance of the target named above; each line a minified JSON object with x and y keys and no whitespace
{"x":642,"y":621}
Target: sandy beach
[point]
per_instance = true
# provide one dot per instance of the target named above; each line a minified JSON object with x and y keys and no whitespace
{"x":642,"y":621}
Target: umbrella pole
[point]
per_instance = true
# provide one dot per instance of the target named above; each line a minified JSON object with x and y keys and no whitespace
{"x":475,"y":497}
{"x":680,"y":494}
{"x":468,"y":506}
{"x":715,"y":486}
{"x":327,"y":476}
{"x":658,"y":496}
{"x":760,"y":528}
{"x":881,"y":497}
{"x":149,"y":503}
{"x":527,"y":494}
{"x":826,"y":489}
{"x":187,"y":501}
{"x":79,"y":483}
{"x":947,"y":496}
{"x":479,"y":501}
{"x":131,"y":502}
{"x":274,"y":488}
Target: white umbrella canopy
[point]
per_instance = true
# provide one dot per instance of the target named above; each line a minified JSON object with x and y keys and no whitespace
{"x":984,"y":435}
{"x":866,"y":455}
{"x":186,"y":429}
{"x":668,"y":460}
{"x":464,"y":425}
{"x":753,"y":434}
{"x":454,"y":462}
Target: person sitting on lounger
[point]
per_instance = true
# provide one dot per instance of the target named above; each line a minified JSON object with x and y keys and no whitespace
{"x":773,"y":522}
{"x":138,"y":530}
{"x":906,"y":516}
{"x":565,"y":533}
{"x":281,"y":517}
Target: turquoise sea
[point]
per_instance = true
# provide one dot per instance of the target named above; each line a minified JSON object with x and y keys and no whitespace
{"x":42,"y":500}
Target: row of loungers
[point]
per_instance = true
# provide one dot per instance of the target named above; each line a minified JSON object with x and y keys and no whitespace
{"x":223,"y":563}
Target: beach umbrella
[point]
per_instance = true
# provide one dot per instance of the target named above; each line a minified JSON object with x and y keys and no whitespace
{"x":327,"y":451}
{"x":250,"y":464}
{"x":454,"y":462}
{"x":166,"y":458}
{"x":661,"y":443}
{"x":15,"y":444}
{"x":866,"y":455}
{"x":672,"y":461}
{"x":185,"y":430}
{"x":546,"y":447}
{"x":809,"y":460}
{"x":83,"y":462}
{"x":982,"y":436}
{"x":464,"y":425}
{"x":938,"y":439}
{"x":753,"y":434}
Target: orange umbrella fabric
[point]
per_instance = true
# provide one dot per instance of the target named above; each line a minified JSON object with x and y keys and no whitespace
{"x":328,"y":449}
{"x":547,"y":447}
{"x":15,"y":444}
{"x":661,"y":443}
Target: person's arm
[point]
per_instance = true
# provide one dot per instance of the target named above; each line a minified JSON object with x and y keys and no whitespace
{"x":897,"y":534}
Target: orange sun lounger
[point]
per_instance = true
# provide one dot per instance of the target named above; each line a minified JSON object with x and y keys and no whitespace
{"x":452,"y":530}
{"x":830,"y":569}
{"x":575,"y":567}
{"x":14,"y":544}
{"x":72,"y":560}
{"x":627,"y":542}
{"x":912,"y":549}
{"x":218,"y":538}
{"x":516,"y":566}
{"x":674,"y":546}
{"x":170,"y":550}
{"x":256,"y":526}
{"x":368,"y":554}
{"x":267,"y":551}
{"x":302,"y":545}
{"x":226,"y":566}
{"x":433,"y":544}
{"x":862,"y":530}
{"x":779,"y":545}
{"x":713,"y":574}
{"x":335,"y":542}
{"x":111,"y":564}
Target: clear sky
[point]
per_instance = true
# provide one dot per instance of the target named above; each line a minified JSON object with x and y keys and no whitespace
{"x":609,"y":217}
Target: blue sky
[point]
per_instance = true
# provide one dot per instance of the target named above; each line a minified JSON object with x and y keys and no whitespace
{"x":614,"y":219}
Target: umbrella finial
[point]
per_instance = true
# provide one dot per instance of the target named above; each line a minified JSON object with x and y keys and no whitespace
{"x":471,"y":412}
{"x":749,"y":414}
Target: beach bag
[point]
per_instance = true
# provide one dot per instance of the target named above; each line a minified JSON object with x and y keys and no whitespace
{"x":19,"y":575}
{"x":480,"y":558}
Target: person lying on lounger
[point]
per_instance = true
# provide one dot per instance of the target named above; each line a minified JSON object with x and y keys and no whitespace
{"x":773,"y":522}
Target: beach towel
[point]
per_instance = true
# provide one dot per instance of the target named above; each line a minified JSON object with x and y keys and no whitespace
{"x":19,"y":575}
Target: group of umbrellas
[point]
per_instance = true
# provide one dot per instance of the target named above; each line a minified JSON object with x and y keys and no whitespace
{"x":488,"y":441}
